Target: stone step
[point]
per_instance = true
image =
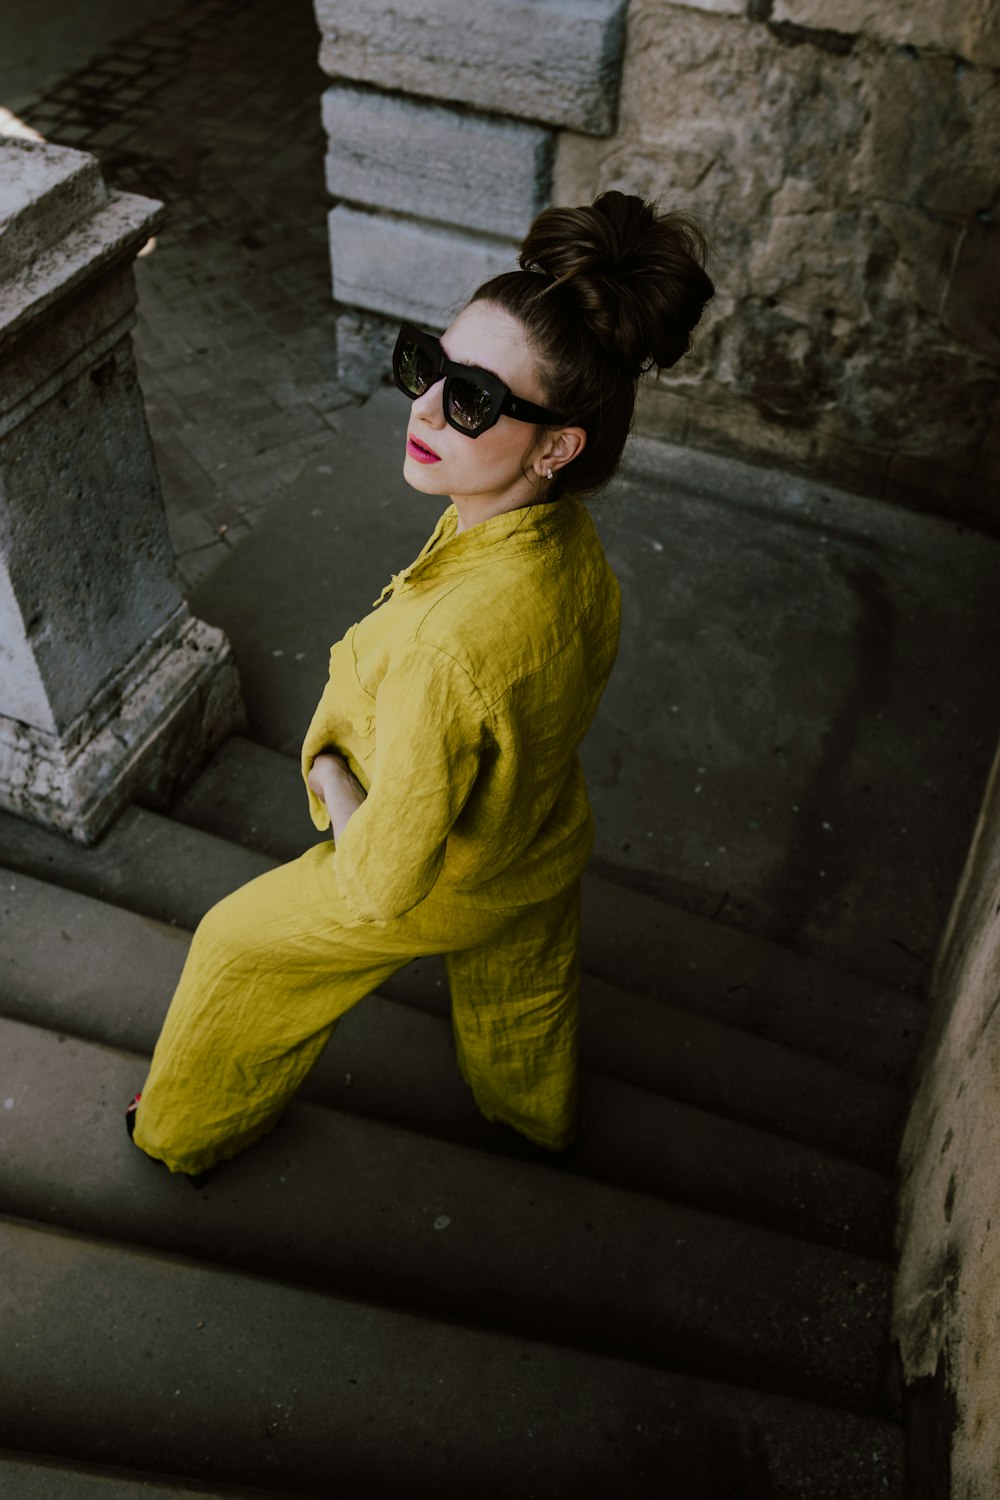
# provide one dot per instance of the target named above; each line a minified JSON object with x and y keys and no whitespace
{"x":109,"y":974}
{"x":112,"y":963}
{"x":366,"y":1210}
{"x":629,"y":1136}
{"x":251,"y":795}
{"x":205,"y":1372}
{"x":35,"y":1477}
{"x":693,"y":1059}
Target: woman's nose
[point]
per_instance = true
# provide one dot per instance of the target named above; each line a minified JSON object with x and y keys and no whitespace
{"x":430,"y":406}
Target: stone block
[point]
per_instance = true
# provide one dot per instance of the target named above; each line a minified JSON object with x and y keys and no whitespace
{"x":413,"y":157}
{"x":364,"y":351}
{"x":403,"y":268}
{"x":716,"y":7}
{"x":58,"y":226}
{"x":105,"y":678}
{"x":42,"y":199}
{"x":930,"y":139}
{"x":160,"y":715}
{"x":970,"y":30}
{"x":555,"y":61}
{"x":836,"y":189}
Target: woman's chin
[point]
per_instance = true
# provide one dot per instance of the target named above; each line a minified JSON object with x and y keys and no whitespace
{"x":423,"y":477}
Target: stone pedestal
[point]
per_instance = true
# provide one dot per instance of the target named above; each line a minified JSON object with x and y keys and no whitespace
{"x":109,"y":689}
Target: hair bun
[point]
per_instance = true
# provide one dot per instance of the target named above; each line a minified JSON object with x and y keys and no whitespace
{"x":636,"y":277}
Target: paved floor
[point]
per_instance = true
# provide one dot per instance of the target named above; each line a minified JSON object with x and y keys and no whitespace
{"x":41,"y":43}
{"x":213,"y":109}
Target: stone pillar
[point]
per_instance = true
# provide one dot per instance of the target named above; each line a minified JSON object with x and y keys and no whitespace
{"x":436,"y":184}
{"x":109,"y":689}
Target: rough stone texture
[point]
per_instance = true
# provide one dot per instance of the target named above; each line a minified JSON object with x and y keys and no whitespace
{"x":44,"y":196}
{"x":82,"y":541}
{"x":719,"y":7}
{"x":143,"y":737}
{"x":101,"y":662}
{"x":550,"y":60}
{"x":947,"y":1296}
{"x":62,"y":236}
{"x":374,"y":259}
{"x":848,"y":191}
{"x":970,"y":29}
{"x":412,"y":157}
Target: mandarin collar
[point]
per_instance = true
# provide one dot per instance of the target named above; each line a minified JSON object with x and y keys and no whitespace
{"x":448,"y":550}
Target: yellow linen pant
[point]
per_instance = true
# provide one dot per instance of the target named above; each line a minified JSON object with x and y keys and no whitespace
{"x":273,"y":966}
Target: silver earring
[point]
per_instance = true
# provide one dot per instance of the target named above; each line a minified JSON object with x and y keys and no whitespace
{"x":548,"y":473}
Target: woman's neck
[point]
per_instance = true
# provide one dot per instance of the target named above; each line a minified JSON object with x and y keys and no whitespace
{"x":472,"y":509}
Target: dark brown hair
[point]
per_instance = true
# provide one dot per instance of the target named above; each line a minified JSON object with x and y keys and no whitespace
{"x":606,"y":291}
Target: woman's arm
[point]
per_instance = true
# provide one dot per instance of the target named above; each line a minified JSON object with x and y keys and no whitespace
{"x":333,"y":783}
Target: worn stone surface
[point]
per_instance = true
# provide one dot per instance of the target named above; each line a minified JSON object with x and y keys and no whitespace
{"x":45,"y":192}
{"x":58,"y":227}
{"x":413,"y":157}
{"x":82,"y":541}
{"x":848,"y":195}
{"x":970,"y":30}
{"x":374,"y":258}
{"x":550,"y":60}
{"x":106,"y":679}
{"x":947,"y":1296}
{"x":157,"y":718}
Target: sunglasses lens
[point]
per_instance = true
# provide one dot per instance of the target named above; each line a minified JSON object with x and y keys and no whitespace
{"x":415,"y":368}
{"x":470,"y":404}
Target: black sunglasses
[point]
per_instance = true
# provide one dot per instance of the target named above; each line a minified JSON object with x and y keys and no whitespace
{"x":473,"y":400}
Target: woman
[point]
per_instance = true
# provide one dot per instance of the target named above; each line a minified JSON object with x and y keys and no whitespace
{"x":443,"y":753}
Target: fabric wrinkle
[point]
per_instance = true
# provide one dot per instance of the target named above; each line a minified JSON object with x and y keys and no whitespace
{"x":459,"y":703}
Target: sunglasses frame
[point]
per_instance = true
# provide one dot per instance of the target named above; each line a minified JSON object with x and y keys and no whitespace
{"x":503,"y":403}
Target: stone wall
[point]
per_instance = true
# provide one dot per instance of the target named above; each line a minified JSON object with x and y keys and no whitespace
{"x":947,"y":1297}
{"x":842,"y":154}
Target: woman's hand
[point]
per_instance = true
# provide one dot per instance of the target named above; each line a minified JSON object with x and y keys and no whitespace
{"x":331,"y":780}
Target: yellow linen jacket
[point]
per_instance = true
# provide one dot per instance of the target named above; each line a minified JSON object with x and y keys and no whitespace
{"x":459,"y":703}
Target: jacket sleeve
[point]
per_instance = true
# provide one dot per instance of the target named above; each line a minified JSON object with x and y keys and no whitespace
{"x":431,"y":729}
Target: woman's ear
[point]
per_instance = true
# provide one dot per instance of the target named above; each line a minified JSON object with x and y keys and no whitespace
{"x":561,"y":447}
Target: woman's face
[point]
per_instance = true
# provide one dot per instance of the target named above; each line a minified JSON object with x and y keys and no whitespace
{"x":493,"y":466}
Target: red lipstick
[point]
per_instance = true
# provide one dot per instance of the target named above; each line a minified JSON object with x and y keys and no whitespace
{"x":421,"y":452}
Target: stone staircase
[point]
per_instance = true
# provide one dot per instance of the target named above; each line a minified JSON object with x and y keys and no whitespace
{"x":394,"y":1296}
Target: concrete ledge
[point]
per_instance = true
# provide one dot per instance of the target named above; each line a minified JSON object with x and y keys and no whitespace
{"x":376,"y":259}
{"x":556,"y":61}
{"x":452,"y":166}
{"x":155,"y":722}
